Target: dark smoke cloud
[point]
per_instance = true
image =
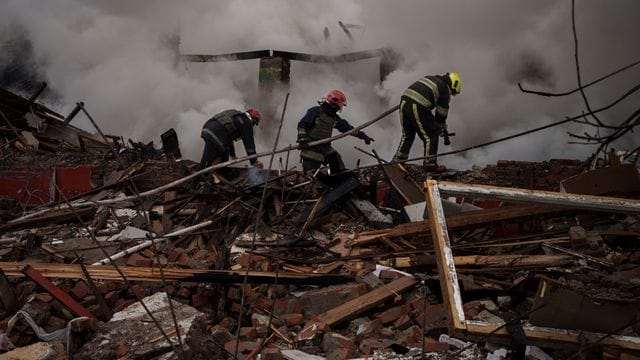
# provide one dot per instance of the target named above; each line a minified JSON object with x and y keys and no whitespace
{"x":19,"y":68}
{"x":531,"y":68}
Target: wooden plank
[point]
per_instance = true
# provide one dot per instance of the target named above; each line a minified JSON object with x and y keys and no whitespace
{"x":410,"y":191}
{"x":56,"y":217}
{"x":447,"y":271}
{"x":623,"y":179}
{"x":547,"y":335}
{"x":108,"y":272}
{"x":446,"y":267}
{"x":461,"y":220}
{"x":367,"y":301}
{"x":487,"y":261}
{"x":590,"y":202}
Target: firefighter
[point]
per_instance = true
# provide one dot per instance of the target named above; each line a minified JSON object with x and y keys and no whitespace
{"x":416,"y":105}
{"x":221,"y":131}
{"x":318,"y":124}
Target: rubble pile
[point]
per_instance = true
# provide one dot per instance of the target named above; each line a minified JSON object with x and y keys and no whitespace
{"x":100,"y":260}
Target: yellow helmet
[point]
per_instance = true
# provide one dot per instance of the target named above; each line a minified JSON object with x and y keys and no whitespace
{"x":456,"y":83}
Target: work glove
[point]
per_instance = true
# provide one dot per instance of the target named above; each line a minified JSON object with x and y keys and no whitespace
{"x":365,"y":137}
{"x":303,"y":145}
{"x":258,"y":164}
{"x":443,"y":128}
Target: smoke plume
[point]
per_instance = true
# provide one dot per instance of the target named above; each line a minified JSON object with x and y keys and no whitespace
{"x":122,"y":59}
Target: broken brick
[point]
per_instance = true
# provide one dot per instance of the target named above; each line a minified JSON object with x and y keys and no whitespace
{"x":133,"y":259}
{"x":80,"y":290}
{"x":248,"y":333}
{"x":139,"y":291}
{"x":184,"y":292}
{"x":292,"y":319}
{"x":393,"y":314}
{"x":271,"y":353}
{"x":121,"y":350}
{"x":175,"y":254}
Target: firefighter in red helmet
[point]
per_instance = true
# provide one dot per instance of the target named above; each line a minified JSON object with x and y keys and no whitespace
{"x":221,"y":131}
{"x":318,"y":124}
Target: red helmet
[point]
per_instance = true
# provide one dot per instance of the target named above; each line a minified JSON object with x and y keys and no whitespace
{"x":336,"y":97}
{"x":255,"y":115}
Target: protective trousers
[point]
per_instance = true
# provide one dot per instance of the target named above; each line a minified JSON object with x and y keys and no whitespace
{"x":415,"y":118}
{"x":331,"y":157}
{"x":212,"y":154}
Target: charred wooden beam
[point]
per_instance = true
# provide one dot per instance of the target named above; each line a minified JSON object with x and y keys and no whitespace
{"x":49,"y":218}
{"x":108,"y":272}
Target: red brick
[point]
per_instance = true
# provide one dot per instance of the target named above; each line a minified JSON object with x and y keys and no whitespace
{"x":244,"y":347}
{"x":200,"y":255}
{"x":434,"y":316}
{"x":184,"y":292}
{"x":171,"y":290}
{"x":139,"y":291}
{"x":144,"y":263}
{"x":133,"y":259}
{"x":206,"y":291}
{"x":271,"y":353}
{"x":121,"y":350}
{"x":175,"y":254}
{"x":393,"y":314}
{"x":332,"y":341}
{"x":227,"y":323}
{"x":80,"y":290}
{"x":435,"y":346}
{"x":367,"y":346}
{"x":235,"y":307}
{"x":44,"y":297}
{"x":248,"y":333}
{"x":111,"y":297}
{"x":419,"y":303}
{"x":412,"y":337}
{"x":244,"y":260}
{"x":183,"y":260}
{"x":292,"y":319}
{"x":403,"y":322}
{"x":103,"y":288}
{"x":113,"y":285}
{"x":198,"y":300}
{"x":261,"y":302}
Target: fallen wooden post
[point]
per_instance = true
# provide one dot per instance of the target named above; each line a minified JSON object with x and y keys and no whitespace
{"x":357,"y":306}
{"x":60,"y":295}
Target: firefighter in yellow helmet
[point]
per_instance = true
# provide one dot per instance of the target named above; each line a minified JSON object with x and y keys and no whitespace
{"x":416,"y":104}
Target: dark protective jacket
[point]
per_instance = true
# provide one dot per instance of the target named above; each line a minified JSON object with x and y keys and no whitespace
{"x":431,"y":92}
{"x":229,"y":126}
{"x":318,"y":124}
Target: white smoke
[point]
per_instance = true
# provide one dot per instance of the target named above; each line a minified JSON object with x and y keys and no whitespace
{"x":119,"y":57}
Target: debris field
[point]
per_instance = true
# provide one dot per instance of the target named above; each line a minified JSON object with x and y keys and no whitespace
{"x":105,"y":253}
